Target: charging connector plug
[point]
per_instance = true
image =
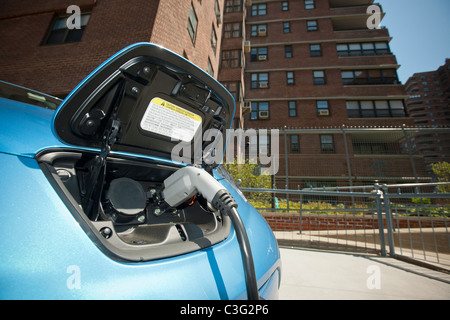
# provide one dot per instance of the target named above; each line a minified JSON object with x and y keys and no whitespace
{"x":187,"y":182}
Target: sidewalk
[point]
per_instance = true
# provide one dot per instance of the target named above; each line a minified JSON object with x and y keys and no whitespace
{"x":324,"y":275}
{"x":414,"y":243}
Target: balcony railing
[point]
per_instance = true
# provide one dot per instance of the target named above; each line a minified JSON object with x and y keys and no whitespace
{"x":349,"y":3}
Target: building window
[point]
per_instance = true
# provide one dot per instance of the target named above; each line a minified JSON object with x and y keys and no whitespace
{"x":285,"y":6}
{"x":233,"y":6}
{"x":292,"y":108}
{"x":309,"y":4}
{"x":368,"y":147}
{"x":367,"y":109}
{"x":375,"y":109}
{"x":326,"y":143}
{"x":362,"y":49}
{"x":288,"y":51}
{"x":217,"y":8}
{"x":286,"y":27}
{"x":232,"y":30}
{"x":295,"y":143}
{"x":312,"y":25}
{"x":192,"y":24}
{"x":213,"y":39}
{"x":353,"y":109}
{"x":260,"y":80}
{"x":259,"y":144}
{"x":368,"y":77}
{"x":315,"y":50}
{"x":319,"y":77}
{"x":290,"y":80}
{"x":397,"y":108}
{"x":259,"y":110}
{"x":210,"y":69}
{"x":322,"y":108}
{"x":259,"y":9}
{"x":380,"y":48}
{"x":259,"y":30}
{"x":231,"y":59}
{"x":350,"y":77}
{"x":235,"y":89}
{"x":259,"y":54}
{"x":60,"y":33}
{"x":263,"y":146}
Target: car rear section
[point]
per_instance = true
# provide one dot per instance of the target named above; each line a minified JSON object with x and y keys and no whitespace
{"x":52,"y":249}
{"x":47,"y":253}
{"x":94,"y":206}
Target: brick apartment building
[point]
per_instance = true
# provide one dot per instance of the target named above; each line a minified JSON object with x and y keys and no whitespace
{"x":37,"y":49}
{"x":429,"y":105}
{"x":305,"y":67}
{"x":315,"y":71}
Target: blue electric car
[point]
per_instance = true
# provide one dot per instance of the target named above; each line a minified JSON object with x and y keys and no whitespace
{"x":93,"y":206}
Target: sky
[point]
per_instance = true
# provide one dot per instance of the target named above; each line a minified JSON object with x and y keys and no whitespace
{"x":421,"y":34}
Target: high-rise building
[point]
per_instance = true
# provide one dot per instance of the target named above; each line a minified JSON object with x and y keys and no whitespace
{"x":313,"y":69}
{"x":429,"y":105}
{"x":318,"y":72}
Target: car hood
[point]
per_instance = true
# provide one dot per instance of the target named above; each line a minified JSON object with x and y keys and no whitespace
{"x":148,"y":101}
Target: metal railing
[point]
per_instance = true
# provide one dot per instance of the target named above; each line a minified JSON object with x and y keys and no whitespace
{"x":359,"y":155}
{"x":401,"y":220}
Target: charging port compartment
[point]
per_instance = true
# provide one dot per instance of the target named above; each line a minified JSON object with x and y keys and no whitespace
{"x":131,"y":221}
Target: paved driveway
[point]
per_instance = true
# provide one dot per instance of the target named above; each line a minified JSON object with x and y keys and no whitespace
{"x":309,"y":274}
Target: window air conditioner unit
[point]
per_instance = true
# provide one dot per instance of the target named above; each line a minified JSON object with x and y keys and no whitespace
{"x":262,"y":58}
{"x":324,"y":113}
{"x":263,"y":85}
{"x":247,"y":46}
{"x":262,"y":32}
{"x":264,"y":115}
{"x":248,"y":3}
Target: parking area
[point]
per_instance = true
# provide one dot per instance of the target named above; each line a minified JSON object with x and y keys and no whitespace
{"x":325,"y":275}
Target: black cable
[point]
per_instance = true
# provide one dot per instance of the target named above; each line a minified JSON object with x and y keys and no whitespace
{"x":225,"y":203}
{"x":246,"y":252}
{"x":177,"y":190}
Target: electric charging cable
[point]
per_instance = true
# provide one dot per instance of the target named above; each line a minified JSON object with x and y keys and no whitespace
{"x":188,"y":181}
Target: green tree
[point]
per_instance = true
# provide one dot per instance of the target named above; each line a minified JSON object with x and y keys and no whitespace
{"x":442,"y":172}
{"x":250,"y":177}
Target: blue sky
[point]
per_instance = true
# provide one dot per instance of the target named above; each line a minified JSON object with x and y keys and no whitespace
{"x":421,"y":33}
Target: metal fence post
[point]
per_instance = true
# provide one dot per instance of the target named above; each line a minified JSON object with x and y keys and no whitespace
{"x":301,"y":212}
{"x":411,"y":158}
{"x":347,"y":157}
{"x":388,"y":213}
{"x":378,"y":202}
{"x":287,"y":167}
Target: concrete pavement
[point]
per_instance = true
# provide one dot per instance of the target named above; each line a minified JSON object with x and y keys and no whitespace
{"x":324,"y":275}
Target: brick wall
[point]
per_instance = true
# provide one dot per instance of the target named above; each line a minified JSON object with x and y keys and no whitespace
{"x":113,"y":25}
{"x":291,"y":222}
{"x":57,"y":69}
{"x":170,"y":31}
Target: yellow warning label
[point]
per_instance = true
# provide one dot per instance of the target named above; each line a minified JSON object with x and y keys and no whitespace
{"x":175,"y":108}
{"x":167,"y":119}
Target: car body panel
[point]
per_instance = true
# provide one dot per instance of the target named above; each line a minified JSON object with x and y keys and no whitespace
{"x":44,"y":260}
{"x":26,"y":129}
